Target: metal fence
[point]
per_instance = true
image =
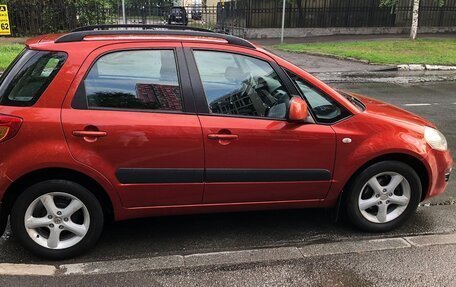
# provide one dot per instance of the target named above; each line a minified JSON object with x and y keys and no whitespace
{"x":38,"y":18}
{"x":34,"y":17}
{"x":339,"y":13}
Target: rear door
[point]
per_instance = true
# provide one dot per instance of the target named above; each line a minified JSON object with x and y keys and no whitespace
{"x":132,"y":119}
{"x":252,"y":153}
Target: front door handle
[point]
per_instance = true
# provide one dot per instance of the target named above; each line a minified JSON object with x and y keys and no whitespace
{"x":222,"y":137}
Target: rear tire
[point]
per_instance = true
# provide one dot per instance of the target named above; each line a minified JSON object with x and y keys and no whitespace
{"x":57,"y":219}
{"x":383,"y":196}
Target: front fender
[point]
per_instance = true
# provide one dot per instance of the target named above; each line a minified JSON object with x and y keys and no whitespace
{"x":372,"y":137}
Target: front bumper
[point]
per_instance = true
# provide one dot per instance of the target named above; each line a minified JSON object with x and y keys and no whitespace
{"x":440,"y":166}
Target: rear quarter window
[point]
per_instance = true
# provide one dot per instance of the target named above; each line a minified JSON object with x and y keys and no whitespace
{"x":29,"y":76}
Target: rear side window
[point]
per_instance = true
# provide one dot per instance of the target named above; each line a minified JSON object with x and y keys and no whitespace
{"x":141,"y":80}
{"x":29,"y":77}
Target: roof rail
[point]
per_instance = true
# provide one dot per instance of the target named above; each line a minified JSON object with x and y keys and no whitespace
{"x":141,"y":26}
{"x":78,"y":36}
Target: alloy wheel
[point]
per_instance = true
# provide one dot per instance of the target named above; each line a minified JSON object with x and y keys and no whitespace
{"x":384,"y":197}
{"x":57,"y":220}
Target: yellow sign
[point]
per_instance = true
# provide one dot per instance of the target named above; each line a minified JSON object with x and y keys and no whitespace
{"x":5,"y":28}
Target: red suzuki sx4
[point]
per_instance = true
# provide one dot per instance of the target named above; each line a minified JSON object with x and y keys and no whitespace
{"x":107,"y":123}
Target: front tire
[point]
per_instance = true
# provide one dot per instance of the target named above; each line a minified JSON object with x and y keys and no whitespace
{"x":383,"y":196}
{"x":57,"y":219}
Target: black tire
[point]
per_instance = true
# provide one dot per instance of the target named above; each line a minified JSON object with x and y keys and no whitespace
{"x":33,"y":192}
{"x":355,"y":188}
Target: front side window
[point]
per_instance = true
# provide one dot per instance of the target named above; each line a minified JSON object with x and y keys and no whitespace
{"x":31,"y":74}
{"x":241,"y":85}
{"x":325,"y":109}
{"x":144,"y":80}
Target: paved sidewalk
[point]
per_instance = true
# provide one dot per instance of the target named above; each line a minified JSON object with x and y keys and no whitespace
{"x":320,"y":64}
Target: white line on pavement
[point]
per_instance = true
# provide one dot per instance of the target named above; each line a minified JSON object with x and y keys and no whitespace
{"x":417,"y":105}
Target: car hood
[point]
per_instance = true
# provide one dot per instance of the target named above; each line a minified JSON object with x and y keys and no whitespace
{"x":383,"y":109}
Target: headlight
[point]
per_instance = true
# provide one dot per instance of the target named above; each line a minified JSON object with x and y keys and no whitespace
{"x":435,"y":139}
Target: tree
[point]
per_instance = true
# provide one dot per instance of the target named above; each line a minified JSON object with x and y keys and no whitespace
{"x":415,"y":12}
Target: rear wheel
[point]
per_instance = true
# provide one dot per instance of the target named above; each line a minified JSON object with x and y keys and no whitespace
{"x":57,"y":219}
{"x":383,"y":196}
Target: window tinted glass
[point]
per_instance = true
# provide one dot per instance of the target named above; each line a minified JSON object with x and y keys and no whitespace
{"x":26,"y":83}
{"x":134,"y":80}
{"x":240,"y":85}
{"x":324,"y":108}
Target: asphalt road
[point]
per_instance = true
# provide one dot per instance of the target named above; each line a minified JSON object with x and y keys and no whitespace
{"x":222,"y":232}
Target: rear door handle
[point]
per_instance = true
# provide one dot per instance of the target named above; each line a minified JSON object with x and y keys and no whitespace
{"x":222,"y":137}
{"x":91,"y":134}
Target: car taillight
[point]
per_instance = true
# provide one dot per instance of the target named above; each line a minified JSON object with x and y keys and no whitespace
{"x":9,"y":126}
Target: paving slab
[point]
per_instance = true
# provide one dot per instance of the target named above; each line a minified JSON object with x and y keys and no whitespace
{"x":427,"y":240}
{"x":353,"y":246}
{"x":244,"y":256}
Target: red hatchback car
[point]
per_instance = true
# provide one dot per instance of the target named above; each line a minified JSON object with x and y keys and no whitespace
{"x":109,"y":123}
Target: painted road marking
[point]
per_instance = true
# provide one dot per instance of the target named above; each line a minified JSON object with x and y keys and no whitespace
{"x":417,"y":105}
{"x":228,"y":257}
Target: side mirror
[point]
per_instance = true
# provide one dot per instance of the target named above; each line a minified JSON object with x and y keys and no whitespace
{"x":297,"y":110}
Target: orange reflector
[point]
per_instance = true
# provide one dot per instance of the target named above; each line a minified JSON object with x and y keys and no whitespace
{"x":3,"y":132}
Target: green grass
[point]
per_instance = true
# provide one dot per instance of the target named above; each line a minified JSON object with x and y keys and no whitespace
{"x":420,"y":51}
{"x":7,"y":54}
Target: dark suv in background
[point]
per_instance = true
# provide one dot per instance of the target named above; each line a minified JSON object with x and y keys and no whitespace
{"x":177,"y":16}
{"x":197,"y":12}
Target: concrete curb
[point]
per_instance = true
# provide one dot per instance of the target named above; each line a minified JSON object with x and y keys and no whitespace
{"x":227,"y":258}
{"x":419,"y":67}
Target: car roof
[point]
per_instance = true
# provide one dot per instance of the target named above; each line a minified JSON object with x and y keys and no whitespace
{"x":131,"y":33}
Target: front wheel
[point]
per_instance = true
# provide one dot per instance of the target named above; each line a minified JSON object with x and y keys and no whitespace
{"x":57,"y":219}
{"x":383,"y":196}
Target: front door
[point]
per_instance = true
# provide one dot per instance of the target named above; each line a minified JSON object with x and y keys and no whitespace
{"x":252,"y":153}
{"x":131,"y":120}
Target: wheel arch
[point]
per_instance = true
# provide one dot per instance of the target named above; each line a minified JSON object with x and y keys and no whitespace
{"x":414,"y":162}
{"x":28,"y":179}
